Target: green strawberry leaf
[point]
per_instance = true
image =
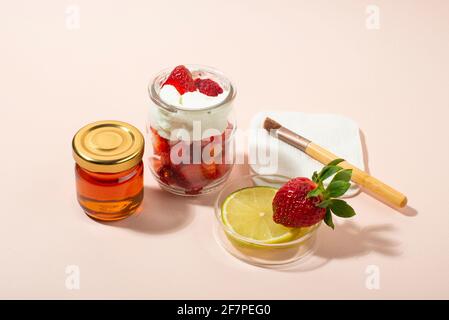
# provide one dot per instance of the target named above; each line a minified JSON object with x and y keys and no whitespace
{"x":337,"y":188}
{"x":315,"y":192}
{"x":325,"y":203}
{"x":335,"y":162}
{"x":328,"y":171}
{"x":328,"y":219}
{"x":315,"y":177}
{"x":343,"y":175}
{"x":341,"y":209}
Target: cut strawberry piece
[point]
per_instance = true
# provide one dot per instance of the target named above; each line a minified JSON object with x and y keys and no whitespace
{"x":209,"y":171}
{"x":208,"y":87}
{"x":167,"y":175}
{"x":189,"y":176}
{"x":160,"y":145}
{"x":192,"y":177}
{"x":181,"y":79}
{"x":155,"y":164}
{"x":222,"y":169}
{"x":165,"y":159}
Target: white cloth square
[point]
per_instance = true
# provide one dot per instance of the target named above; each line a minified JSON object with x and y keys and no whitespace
{"x":338,"y":134}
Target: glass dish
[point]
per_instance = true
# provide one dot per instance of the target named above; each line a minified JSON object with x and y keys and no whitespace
{"x":253,"y":251}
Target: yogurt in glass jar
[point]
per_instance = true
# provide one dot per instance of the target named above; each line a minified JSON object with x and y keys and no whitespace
{"x":191,"y":129}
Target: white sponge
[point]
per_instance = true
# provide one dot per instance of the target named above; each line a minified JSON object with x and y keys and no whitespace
{"x":338,"y":134}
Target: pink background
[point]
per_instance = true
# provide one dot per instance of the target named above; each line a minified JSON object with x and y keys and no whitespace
{"x":310,"y":56}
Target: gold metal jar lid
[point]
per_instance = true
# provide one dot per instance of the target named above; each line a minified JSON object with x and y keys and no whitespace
{"x":108,"y":146}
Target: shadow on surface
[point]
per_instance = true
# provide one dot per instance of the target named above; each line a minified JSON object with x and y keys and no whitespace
{"x":348,"y":240}
{"x":408,"y":211}
{"x":162,"y":213}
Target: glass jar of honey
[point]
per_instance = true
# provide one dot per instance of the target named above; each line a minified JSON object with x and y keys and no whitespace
{"x":109,"y":169}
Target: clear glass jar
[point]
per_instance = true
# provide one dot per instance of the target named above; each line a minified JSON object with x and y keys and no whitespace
{"x":191,"y":150}
{"x":109,"y":169}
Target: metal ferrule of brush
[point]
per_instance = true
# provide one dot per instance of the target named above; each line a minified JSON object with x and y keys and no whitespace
{"x":292,"y":138}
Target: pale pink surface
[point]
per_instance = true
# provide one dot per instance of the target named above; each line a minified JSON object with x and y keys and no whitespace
{"x":314,"y":56}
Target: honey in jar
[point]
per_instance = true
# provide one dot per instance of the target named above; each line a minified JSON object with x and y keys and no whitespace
{"x":109,"y":169}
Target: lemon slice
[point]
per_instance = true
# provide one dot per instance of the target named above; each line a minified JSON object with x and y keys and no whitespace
{"x":249,"y":213}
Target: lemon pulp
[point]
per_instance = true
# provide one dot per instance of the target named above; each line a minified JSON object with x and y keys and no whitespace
{"x":249,"y":213}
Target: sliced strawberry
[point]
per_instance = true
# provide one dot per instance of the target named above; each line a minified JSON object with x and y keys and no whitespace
{"x":209,"y":171}
{"x":208,"y":87}
{"x":165,"y":159}
{"x":181,"y":79}
{"x":211,"y":145}
{"x":160,"y":145}
{"x":189,"y":176}
{"x":155,"y":163}
{"x":222,"y":169}
{"x":192,"y":177}
{"x":167,"y":175}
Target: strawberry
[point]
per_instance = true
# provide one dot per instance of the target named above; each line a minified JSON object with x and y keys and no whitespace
{"x":155,"y":163}
{"x":208,"y":87}
{"x":222,"y":169}
{"x":181,"y":79}
{"x":167,"y":175}
{"x":292,"y":207}
{"x":160,"y":145}
{"x":189,"y":177}
{"x":209,"y":170}
{"x":165,"y":159}
{"x":302,"y":202}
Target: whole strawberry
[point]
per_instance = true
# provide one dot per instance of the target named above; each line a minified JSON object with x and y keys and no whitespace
{"x":302,"y":202}
{"x":291,"y":206}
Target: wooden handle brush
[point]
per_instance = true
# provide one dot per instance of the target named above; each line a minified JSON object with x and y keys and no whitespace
{"x":379,"y":189}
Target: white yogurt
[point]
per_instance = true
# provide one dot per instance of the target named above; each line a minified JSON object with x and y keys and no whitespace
{"x":190,"y":100}
{"x":198,"y":125}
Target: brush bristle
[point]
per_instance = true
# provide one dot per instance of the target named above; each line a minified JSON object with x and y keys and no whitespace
{"x":270,"y":124}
